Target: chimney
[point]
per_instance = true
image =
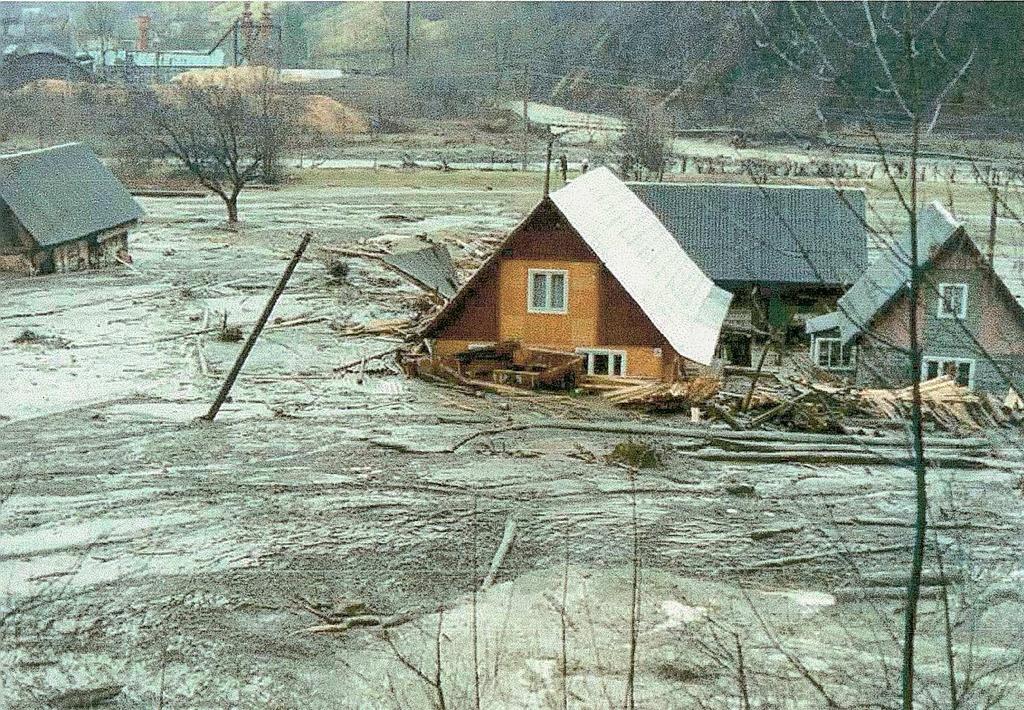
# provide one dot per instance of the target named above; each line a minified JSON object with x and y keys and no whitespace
{"x":266,"y":21}
{"x":142,"y":44}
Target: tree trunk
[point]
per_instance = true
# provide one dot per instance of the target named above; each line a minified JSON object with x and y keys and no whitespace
{"x":917,"y":434}
{"x":231,"y":202}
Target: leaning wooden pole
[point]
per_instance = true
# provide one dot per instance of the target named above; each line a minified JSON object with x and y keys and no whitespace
{"x":257,"y":329}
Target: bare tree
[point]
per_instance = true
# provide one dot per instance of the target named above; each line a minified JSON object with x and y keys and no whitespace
{"x":906,"y":55}
{"x":227,"y":131}
{"x":646,"y":141}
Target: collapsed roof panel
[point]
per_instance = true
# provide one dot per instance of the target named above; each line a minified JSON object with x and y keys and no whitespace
{"x":430,"y":268}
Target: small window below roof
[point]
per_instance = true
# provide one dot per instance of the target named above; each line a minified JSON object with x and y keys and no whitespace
{"x":548,"y":291}
{"x":952,"y":301}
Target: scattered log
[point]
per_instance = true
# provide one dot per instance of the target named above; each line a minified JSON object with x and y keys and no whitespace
{"x":929,"y":578}
{"x":86,"y":697}
{"x":364,"y":621}
{"x":837,"y":457}
{"x":857,"y":594}
{"x":499,"y":556}
{"x":765,"y":533}
{"x":774,"y":562}
{"x":705,"y":434}
{"x":780,"y":409}
{"x":369,"y":358}
{"x":725,"y":416}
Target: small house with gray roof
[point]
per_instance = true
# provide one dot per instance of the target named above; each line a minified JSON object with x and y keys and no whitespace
{"x":61,"y":209}
{"x":970,"y":326}
{"x":787,"y":253}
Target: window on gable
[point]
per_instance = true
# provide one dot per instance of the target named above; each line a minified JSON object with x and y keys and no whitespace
{"x":952,"y":300}
{"x":831,"y":354}
{"x":548,"y":291}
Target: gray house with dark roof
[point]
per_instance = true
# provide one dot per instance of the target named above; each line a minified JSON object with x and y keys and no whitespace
{"x":787,"y":253}
{"x":61,"y":209}
{"x":969,"y":324}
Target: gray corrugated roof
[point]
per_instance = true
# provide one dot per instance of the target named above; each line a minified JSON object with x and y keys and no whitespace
{"x":64,"y":193}
{"x":764,"y":233}
{"x":888,"y":275}
{"x":431,"y":268}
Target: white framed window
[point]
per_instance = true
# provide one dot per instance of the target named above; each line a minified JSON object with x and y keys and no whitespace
{"x":960,"y":369}
{"x":547,"y":291}
{"x":598,"y":361}
{"x":952,"y":300}
{"x":831,"y":354}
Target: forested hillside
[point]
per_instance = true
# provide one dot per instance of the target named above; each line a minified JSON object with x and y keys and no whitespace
{"x":709,"y":63}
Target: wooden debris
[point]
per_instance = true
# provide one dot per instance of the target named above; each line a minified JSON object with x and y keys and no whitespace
{"x":390,"y":326}
{"x":865,"y":457}
{"x":942,"y":399}
{"x":86,"y":697}
{"x":499,"y":556}
{"x":664,"y":396}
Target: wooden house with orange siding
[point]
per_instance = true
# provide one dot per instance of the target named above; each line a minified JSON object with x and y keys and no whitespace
{"x":593,"y":273}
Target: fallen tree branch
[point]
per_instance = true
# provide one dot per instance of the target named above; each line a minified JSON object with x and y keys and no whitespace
{"x":503,"y":548}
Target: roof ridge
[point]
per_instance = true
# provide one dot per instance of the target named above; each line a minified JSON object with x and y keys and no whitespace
{"x":39,"y":151}
{"x":813,"y":188}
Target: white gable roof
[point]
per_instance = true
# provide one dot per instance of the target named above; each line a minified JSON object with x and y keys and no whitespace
{"x":681,"y":301}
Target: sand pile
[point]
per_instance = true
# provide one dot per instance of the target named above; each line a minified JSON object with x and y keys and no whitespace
{"x":333,"y":118}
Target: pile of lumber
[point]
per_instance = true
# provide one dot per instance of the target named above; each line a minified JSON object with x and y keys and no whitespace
{"x":664,"y":396}
{"x":943,"y":401}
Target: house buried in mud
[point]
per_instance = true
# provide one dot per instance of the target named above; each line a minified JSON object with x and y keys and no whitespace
{"x":590,"y":283}
{"x":61,"y":210}
{"x":969,"y":324}
{"x":787,"y":253}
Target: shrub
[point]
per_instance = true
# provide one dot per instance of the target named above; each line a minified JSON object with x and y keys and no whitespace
{"x":635,"y":454}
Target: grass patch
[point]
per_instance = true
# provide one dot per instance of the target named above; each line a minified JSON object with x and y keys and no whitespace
{"x":513,"y":180}
{"x":635,"y":454}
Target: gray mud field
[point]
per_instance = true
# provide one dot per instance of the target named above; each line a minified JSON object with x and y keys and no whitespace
{"x":153,"y":561}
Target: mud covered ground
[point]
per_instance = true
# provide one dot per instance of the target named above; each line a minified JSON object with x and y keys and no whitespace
{"x":174,"y":563}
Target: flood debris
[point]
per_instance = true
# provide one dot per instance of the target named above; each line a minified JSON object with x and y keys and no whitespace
{"x":31,"y":337}
{"x":430,"y":268}
{"x":943,"y":401}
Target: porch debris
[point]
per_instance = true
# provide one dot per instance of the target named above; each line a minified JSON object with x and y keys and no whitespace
{"x":506,"y":366}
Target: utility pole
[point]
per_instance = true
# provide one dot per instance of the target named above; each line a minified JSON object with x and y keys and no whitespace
{"x":526,"y":115}
{"x":225,"y":388}
{"x":992,"y":216}
{"x":408,"y":31}
{"x":547,"y":166}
